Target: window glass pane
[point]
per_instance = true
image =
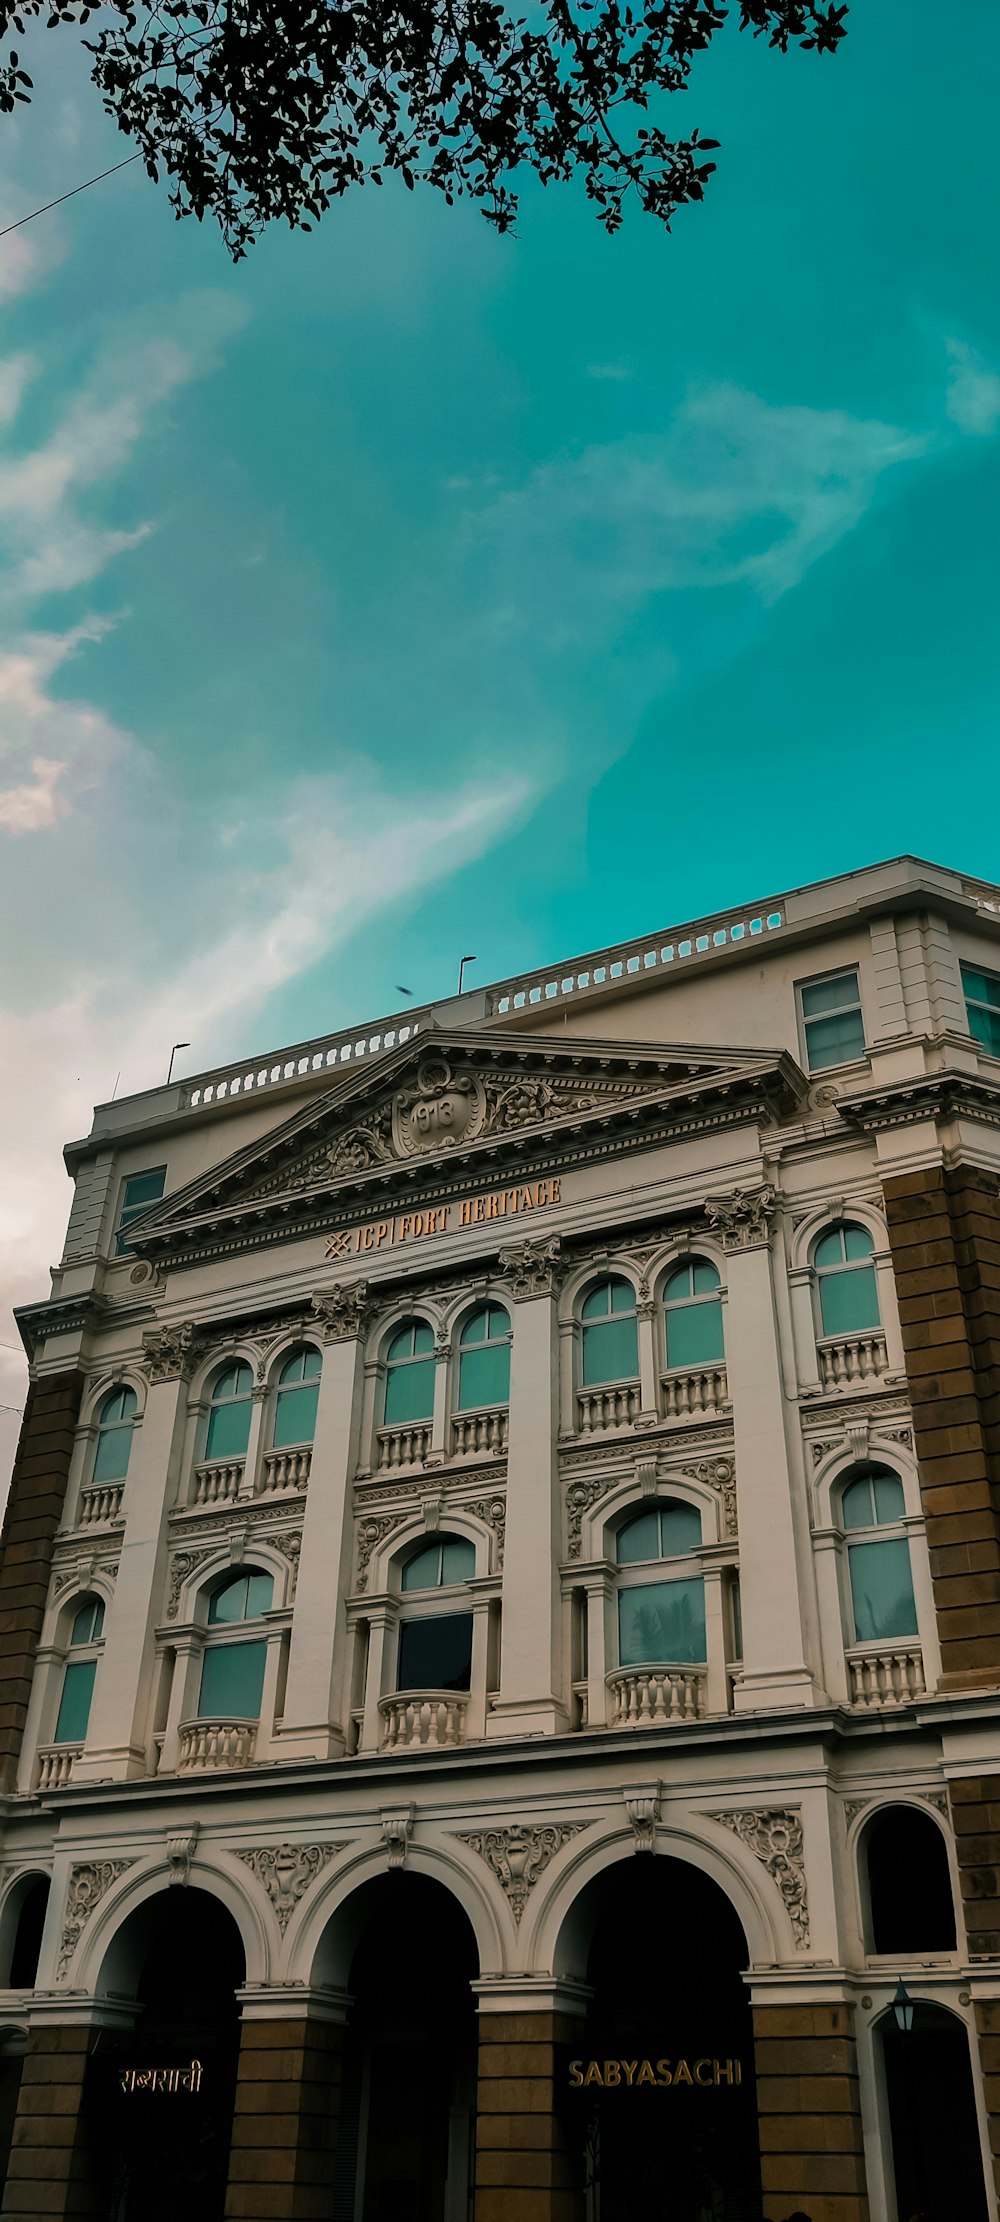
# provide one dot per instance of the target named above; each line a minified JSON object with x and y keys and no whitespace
{"x":484,"y":1375}
{"x":598,"y":1304}
{"x":858,"y":1504}
{"x":236,"y":1381}
{"x":610,"y":1351}
{"x":121,"y":1406}
{"x":622,"y":1296}
{"x":436,"y":1654}
{"x":983,"y":987}
{"x":89,"y":1622}
{"x":232,"y":1680}
{"x":848,"y":1301}
{"x":830,"y":995}
{"x":680,"y":1530}
{"x":409,"y":1392}
{"x":678,"y":1285}
{"x":228,"y":1429}
{"x":458,"y":1560}
{"x":694,"y":1334}
{"x":411,"y":1340}
{"x":424,"y":1570}
{"x":985,"y":1026}
{"x":295,"y":1415}
{"x":661,"y":1624}
{"x":705,"y":1276}
{"x":477,"y":1328}
{"x":639,"y":1539}
{"x":830,"y":1250}
{"x":143,"y":1188}
{"x":74,"y":1704}
{"x":112,"y":1453}
{"x":882,"y":1591}
{"x":242,"y":1599}
{"x":835,"y":1041}
{"x":890,"y":1503}
{"x":857,"y":1242}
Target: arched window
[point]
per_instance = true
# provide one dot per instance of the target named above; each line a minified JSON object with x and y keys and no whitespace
{"x":435,"y":1648}
{"x":409,"y":1374}
{"x":115,"y":1425}
{"x":232,"y":1672}
{"x":610,"y":1333}
{"x":661,"y":1621}
{"x":845,"y":1276}
{"x":27,"y":1939}
{"x":692,"y":1315}
{"x":79,"y":1672}
{"x":910,"y":1903}
{"x":229,"y":1413}
{"x":296,"y":1399}
{"x":484,"y":1359}
{"x":872,"y":1507}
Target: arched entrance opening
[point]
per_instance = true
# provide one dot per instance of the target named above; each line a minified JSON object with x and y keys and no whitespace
{"x":159,"y":2096}
{"x":663,"y":2074}
{"x":405,"y":2144}
{"x":909,"y":1903}
{"x":937,"y":2161}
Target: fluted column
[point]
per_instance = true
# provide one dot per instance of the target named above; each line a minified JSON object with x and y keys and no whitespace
{"x":316,"y":1690}
{"x":531,"y":1700}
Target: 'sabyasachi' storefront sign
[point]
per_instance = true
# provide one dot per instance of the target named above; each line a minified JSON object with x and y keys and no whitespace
{"x":706,"y":2074}
{"x":470,"y":1211}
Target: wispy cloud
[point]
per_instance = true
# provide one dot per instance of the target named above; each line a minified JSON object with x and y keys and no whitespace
{"x":35,"y":804}
{"x":973,"y":392}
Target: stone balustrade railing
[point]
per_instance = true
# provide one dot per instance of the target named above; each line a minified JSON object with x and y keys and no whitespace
{"x":700,"y":939}
{"x":403,"y":1446}
{"x":615,"y":1406}
{"x":847,"y":1359}
{"x":285,"y":1469}
{"x":217,"y":1481}
{"x":102,"y":1501}
{"x":55,"y":1765}
{"x":689,"y":1392}
{"x":216,"y":1747}
{"x":886,"y":1677}
{"x":479,"y":1434}
{"x":428,"y":1717}
{"x":647,"y":1697}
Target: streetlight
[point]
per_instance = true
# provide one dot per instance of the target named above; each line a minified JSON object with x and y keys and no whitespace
{"x":902,"y":2006}
{"x":173,"y":1053}
{"x":461,"y":969}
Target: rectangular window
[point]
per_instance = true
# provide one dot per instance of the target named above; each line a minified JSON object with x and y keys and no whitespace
{"x":832,"y":1023}
{"x":662,"y":1624}
{"x":74,"y":1705}
{"x":694,"y":1334}
{"x":982,"y":1007}
{"x":232,"y":1681}
{"x":882,"y":1591}
{"x":436,"y":1654}
{"x":139,"y":1191}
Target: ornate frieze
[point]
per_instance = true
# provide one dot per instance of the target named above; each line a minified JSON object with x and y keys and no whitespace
{"x":492,"y":1511}
{"x":342,"y":1313}
{"x":448,"y":1103}
{"x":370,"y":1534}
{"x":89,"y":1881}
{"x":849,"y":1440}
{"x":717,"y":1474}
{"x":286,"y":1871}
{"x":532,"y":1266}
{"x":518,"y":1856}
{"x":743,"y":1217}
{"x":774,"y":1836}
{"x":239,"y":1540}
{"x":170,"y":1353}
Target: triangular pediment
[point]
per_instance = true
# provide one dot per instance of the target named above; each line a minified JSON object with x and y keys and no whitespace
{"x":424,"y":1113}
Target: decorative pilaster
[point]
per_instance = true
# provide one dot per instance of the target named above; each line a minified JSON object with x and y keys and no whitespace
{"x":315,"y":1712}
{"x":531,"y":1701}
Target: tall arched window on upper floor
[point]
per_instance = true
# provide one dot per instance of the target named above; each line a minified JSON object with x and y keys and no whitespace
{"x":609,"y":1333}
{"x":692,"y":1314}
{"x":845,"y":1279}
{"x":296,"y":1398}
{"x":661,"y":1602}
{"x":409,"y":1374}
{"x":878,"y":1556}
{"x":232,"y":1670}
{"x":229,"y":1413}
{"x":79,"y":1672}
{"x":910,"y":1904}
{"x":484,"y":1359}
{"x":435,"y":1647}
{"x":115,"y":1428}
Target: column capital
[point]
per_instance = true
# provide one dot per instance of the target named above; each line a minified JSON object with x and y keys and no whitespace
{"x":342,"y":1312}
{"x":743,"y":1217}
{"x":534,"y":1267}
{"x":531,"y":1994}
{"x":293,"y":2002}
{"x":171,"y":1353}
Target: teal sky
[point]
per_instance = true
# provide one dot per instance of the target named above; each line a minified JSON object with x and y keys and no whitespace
{"x":406,"y":591}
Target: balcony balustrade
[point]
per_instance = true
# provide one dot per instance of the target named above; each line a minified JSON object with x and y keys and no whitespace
{"x":693,"y":1393}
{"x":425,"y":1718}
{"x":403,"y":1446}
{"x":886,"y":1677}
{"x":615,"y":1406}
{"x":285,"y":1469}
{"x":217,"y":1481}
{"x":648,"y":1697}
{"x":479,"y":1434}
{"x":55,"y":1765}
{"x":101,"y":1502}
{"x":216,"y":1747}
{"x":847,"y":1361}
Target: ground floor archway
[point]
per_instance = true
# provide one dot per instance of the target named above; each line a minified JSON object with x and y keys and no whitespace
{"x":936,"y":2154}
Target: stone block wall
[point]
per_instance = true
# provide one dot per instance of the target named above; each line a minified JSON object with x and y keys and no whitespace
{"x":525,"y":2171}
{"x":809,"y":2111}
{"x":34,"y":1512}
{"x":282,"y":2158}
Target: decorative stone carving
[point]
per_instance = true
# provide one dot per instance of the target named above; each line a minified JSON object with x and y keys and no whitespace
{"x":533,"y":1267}
{"x":180,"y":1852}
{"x":518,"y":1856}
{"x":342,"y":1312}
{"x":858,"y":1433}
{"x":939,"y":1799}
{"x":775,"y":1838}
{"x":170,"y":1353}
{"x":397,"y":1828}
{"x":369,"y":1143}
{"x":719,"y":1474}
{"x":286,"y":1871}
{"x":184,"y":1564}
{"x":290,"y":1547}
{"x":645,"y":1474}
{"x":643,"y":1809}
{"x":579,"y":1497}
{"x":370,"y":1534}
{"x":743,"y":1218}
{"x":493,"y":1513}
{"x":430,"y":1511}
{"x":89,"y":1880}
{"x":441,"y":1108}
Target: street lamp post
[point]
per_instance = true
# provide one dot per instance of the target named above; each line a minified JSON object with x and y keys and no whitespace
{"x":461,"y":970}
{"x":173,"y":1053}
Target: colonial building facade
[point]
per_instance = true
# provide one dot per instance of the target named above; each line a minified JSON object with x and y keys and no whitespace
{"x":500,"y":1640}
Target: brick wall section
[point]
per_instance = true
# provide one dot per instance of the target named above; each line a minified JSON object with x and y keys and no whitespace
{"x":944,"y":1236}
{"x":809,"y":2110}
{"x":49,"y":2168}
{"x":975,"y":1813}
{"x":988,"y":2031}
{"x":34,"y":1510}
{"x":285,"y":2122}
{"x":525,"y":2171}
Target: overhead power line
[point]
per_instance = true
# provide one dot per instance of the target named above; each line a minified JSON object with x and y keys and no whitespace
{"x":74,"y":189}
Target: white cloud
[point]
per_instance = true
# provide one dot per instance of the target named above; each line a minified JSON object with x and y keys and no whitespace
{"x":973,"y":392}
{"x":35,"y":804}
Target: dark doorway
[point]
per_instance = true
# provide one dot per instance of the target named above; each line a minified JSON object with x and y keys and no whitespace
{"x":936,"y":2153}
{"x":910,"y":1901}
{"x":160,"y":2097}
{"x":405,"y":2146}
{"x":671,"y":2131}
